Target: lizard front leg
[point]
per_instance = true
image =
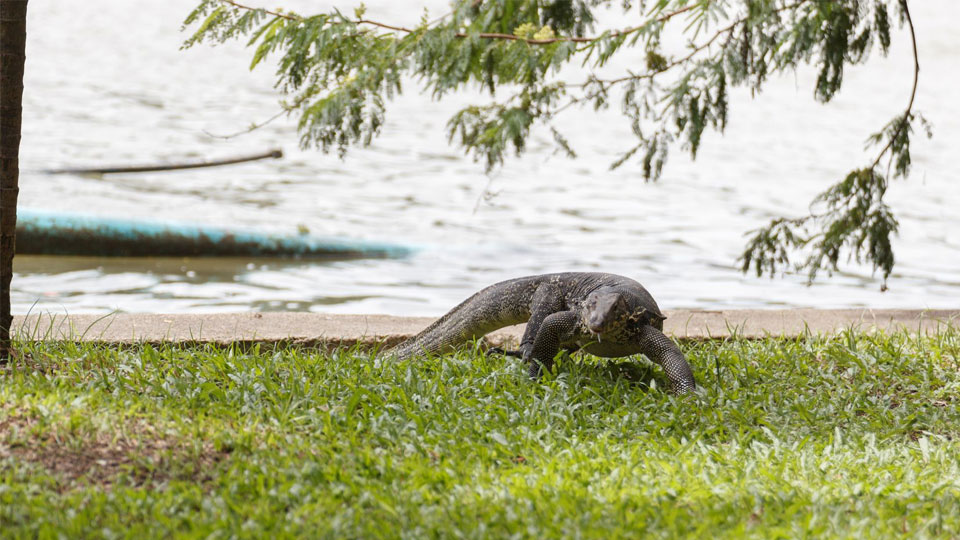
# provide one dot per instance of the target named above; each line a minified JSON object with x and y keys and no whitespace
{"x":554,"y":330}
{"x":664,"y":352}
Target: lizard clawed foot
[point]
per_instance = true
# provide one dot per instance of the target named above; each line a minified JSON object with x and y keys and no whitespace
{"x":504,"y":352}
{"x":537,"y":368}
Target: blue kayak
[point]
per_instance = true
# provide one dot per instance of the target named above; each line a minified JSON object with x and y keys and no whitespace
{"x":47,"y":233}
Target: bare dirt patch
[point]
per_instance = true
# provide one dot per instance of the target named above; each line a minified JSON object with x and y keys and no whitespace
{"x":136,"y":454}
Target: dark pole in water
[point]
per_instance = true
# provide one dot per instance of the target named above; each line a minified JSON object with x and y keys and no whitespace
{"x":13,"y":38}
{"x":275,"y":154}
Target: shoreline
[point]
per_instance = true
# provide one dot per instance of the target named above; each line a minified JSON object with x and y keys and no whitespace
{"x":370,"y":331}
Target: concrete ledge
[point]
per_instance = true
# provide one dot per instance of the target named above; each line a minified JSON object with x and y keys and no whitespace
{"x":319,"y":330}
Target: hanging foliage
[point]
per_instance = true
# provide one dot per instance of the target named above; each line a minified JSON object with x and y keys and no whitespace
{"x":338,"y":72}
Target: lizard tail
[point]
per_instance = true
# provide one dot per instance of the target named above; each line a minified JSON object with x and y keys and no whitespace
{"x":499,"y":305}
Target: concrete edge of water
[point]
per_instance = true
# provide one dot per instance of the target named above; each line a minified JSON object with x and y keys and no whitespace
{"x":369,"y":331}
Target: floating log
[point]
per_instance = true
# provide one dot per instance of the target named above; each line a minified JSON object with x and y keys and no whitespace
{"x":275,"y":154}
{"x":46,"y":233}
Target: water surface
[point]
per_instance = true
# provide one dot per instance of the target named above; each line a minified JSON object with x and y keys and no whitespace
{"x":107,"y":84}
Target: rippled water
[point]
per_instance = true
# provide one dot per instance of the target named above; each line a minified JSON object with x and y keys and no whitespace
{"x":106,"y":84}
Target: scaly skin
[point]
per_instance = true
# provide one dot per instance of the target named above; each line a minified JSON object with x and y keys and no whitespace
{"x":604,"y":314}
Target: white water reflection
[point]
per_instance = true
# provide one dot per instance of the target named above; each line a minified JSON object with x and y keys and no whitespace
{"x":106,"y":84}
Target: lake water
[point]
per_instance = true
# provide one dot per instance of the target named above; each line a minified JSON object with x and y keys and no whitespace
{"x":106,"y":84}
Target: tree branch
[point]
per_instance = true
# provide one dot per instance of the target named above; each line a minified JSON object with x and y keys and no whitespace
{"x":267,"y":11}
{"x":484,"y":35}
{"x":607,"y":83}
{"x":913,"y":92}
{"x":696,"y":50}
{"x":253,"y":127}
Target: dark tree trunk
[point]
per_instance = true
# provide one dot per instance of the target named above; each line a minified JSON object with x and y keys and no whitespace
{"x":13,"y":37}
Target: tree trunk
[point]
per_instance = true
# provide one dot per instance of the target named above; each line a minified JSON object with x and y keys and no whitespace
{"x":13,"y":37}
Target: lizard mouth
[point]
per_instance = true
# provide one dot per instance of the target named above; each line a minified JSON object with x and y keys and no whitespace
{"x":595,"y":329}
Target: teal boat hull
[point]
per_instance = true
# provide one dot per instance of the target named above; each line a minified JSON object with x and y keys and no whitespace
{"x":46,"y":233}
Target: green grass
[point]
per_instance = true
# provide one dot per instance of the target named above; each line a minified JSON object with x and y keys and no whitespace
{"x":850,"y":436}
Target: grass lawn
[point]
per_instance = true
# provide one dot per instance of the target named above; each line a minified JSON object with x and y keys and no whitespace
{"x":849,"y":436}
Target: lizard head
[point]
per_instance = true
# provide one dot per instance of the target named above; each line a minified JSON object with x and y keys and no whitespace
{"x":604,"y":311}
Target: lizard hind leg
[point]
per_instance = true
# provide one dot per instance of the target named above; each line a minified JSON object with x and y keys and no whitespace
{"x":497,"y":350}
{"x":546,"y":300}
